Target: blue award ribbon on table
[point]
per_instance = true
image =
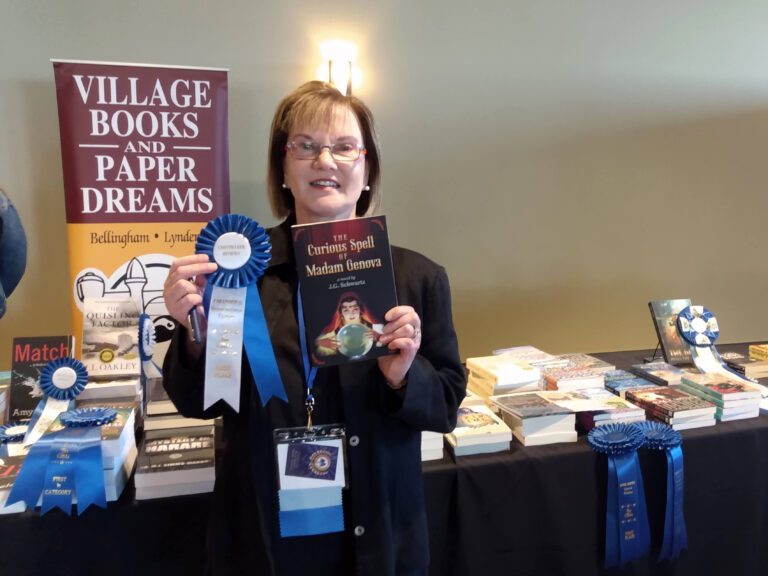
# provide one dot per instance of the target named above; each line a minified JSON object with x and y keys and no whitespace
{"x":698,"y":326}
{"x":147,"y":343}
{"x":11,"y":437}
{"x":65,"y":464}
{"x":61,"y":381}
{"x":627,"y":536}
{"x":236,"y":319}
{"x":660,"y":436}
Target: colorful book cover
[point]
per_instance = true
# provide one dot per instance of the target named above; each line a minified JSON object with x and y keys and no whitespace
{"x":668,"y":400}
{"x":664,"y":314}
{"x":110,"y":345}
{"x":144,"y":153}
{"x":347,"y":285}
{"x":529,"y":405}
{"x":581,"y":361}
{"x":28,"y":358}
{"x":722,"y":387}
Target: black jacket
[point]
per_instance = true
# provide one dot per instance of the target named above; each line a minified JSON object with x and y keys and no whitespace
{"x":385,"y":512}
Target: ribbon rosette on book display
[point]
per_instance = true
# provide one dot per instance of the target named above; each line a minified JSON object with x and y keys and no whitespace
{"x":11,"y":437}
{"x":61,"y":381}
{"x":660,"y":436}
{"x":699,"y":328}
{"x":242,"y":250}
{"x":147,"y":343}
{"x":627,"y":536}
{"x":66,"y":464}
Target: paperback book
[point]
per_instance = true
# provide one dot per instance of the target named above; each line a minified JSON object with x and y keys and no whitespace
{"x":28,"y":358}
{"x":664,"y":314}
{"x":478,"y":431}
{"x":662,"y":373}
{"x":110,"y":346}
{"x":9,"y":470}
{"x":664,"y":402}
{"x":347,"y":285}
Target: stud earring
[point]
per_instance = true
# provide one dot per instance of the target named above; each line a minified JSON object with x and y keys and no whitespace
{"x":285,"y":186}
{"x":366,"y":188}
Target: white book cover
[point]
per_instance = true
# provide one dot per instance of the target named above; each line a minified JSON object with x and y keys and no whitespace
{"x":548,"y":438}
{"x":503,"y":370}
{"x":110,"y":338}
{"x":532,"y":355}
{"x":478,"y":425}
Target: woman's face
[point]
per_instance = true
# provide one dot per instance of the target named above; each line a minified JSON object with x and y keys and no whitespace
{"x":324,"y":188}
{"x":350,"y":312}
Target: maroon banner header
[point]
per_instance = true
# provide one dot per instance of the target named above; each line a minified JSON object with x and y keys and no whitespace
{"x":143,"y":143}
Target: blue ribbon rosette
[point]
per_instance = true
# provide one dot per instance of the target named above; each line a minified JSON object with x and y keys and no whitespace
{"x":236,"y":321}
{"x":12,"y":433}
{"x":61,"y":381}
{"x":627,"y":536}
{"x":66,"y":464}
{"x":698,"y":326}
{"x":659,"y":436}
{"x":147,"y":343}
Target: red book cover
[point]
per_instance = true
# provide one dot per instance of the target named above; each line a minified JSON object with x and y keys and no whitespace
{"x":347,"y":285}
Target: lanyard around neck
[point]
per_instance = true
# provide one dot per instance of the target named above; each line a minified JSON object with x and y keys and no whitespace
{"x":310,"y":372}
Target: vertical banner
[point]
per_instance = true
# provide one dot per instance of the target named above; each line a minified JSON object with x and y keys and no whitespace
{"x":145,"y":158}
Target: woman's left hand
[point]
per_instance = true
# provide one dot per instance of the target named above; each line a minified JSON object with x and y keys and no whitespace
{"x":402,"y":332}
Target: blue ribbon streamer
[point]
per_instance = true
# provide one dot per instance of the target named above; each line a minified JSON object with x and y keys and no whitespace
{"x":256,"y":341}
{"x":59,"y":466}
{"x":258,"y":349}
{"x":675,"y":532}
{"x":627,"y":535}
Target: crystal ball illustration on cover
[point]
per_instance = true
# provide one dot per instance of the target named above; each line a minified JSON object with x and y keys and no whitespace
{"x":354,"y":341}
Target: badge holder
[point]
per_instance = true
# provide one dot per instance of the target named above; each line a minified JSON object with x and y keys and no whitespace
{"x":311,"y":466}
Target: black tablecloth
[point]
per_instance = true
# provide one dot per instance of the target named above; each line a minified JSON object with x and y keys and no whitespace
{"x":537,"y":510}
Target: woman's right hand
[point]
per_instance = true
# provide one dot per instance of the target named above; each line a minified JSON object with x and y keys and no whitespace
{"x":185,"y":284}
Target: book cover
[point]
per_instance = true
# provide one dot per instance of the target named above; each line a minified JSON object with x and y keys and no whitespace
{"x":722,"y":387}
{"x":581,"y":361}
{"x":663,"y":373}
{"x":173,"y":456}
{"x":347,"y":285}
{"x":529,"y":405}
{"x":664,"y":314}
{"x":477,"y":424}
{"x":669,"y":401}
{"x":10,"y":466}
{"x":532,"y":355}
{"x":28,"y":357}
{"x":110,"y":346}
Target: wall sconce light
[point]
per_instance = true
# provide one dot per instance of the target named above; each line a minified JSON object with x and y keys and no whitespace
{"x":338,"y":67}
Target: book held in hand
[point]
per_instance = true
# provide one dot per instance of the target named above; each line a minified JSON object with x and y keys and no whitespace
{"x":347,"y":286}
{"x":110,"y":346}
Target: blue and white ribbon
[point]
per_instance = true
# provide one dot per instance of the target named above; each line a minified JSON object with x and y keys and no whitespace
{"x":660,"y":436}
{"x":236,"y":319}
{"x":627,"y":536}
{"x":698,"y":326}
{"x":61,"y":381}
{"x":66,"y":465}
{"x":147,"y":343}
{"x":11,"y":437}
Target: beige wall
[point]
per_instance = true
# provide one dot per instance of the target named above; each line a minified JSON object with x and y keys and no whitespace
{"x":566,"y":161}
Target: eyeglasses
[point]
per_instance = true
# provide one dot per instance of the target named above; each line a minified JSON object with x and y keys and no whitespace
{"x":341,"y":151}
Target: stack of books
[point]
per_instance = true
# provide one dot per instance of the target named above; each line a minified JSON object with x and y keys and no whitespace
{"x":478,"y":431}
{"x":747,"y":367}
{"x":568,"y":379}
{"x":619,"y":381}
{"x":581,"y":361}
{"x":674,"y":406}
{"x":431,"y":446}
{"x":176,"y":462}
{"x":758,"y":351}
{"x":491,"y":375}
{"x":118,"y":447}
{"x":161,"y":414}
{"x":599,"y":406}
{"x":532,"y":356}
{"x":734,"y":399}
{"x":661,"y":373}
{"x":535,"y":419}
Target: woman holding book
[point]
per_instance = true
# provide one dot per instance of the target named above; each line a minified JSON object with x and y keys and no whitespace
{"x":324,"y":165}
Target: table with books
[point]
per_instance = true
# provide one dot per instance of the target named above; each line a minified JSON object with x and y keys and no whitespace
{"x":529,"y":510}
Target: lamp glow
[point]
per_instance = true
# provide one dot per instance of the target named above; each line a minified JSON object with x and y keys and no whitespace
{"x":338,"y":67}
